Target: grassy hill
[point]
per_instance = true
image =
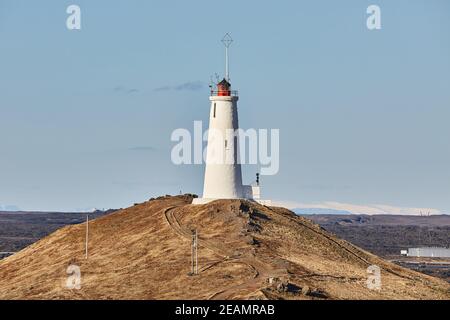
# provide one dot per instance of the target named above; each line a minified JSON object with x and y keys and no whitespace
{"x":247,"y":251}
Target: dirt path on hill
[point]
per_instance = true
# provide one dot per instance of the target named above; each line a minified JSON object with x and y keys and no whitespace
{"x":262,"y":270}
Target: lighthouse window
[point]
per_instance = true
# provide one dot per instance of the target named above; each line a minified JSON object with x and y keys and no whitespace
{"x":226,"y":143}
{"x":214,"y":109}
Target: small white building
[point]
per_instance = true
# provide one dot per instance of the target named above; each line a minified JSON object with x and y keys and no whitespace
{"x":429,"y":252}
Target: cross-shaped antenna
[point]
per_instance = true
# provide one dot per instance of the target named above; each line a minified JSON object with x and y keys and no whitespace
{"x":227,"y":40}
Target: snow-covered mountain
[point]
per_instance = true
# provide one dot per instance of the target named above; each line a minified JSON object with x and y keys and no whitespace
{"x":5,"y":207}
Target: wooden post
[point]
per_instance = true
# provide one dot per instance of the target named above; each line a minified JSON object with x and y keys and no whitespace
{"x":87,"y":234}
{"x":196,"y":252}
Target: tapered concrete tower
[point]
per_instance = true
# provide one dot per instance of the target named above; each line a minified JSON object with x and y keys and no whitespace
{"x":223,"y":175}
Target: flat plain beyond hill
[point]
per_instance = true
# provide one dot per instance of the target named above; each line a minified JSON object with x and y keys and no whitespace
{"x":20,"y":229}
{"x":386,"y":235}
{"x":246,"y":251}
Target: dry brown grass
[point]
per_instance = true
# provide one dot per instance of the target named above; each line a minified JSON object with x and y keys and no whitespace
{"x":136,"y":254}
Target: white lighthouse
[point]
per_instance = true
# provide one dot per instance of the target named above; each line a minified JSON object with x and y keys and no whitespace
{"x":223,"y":174}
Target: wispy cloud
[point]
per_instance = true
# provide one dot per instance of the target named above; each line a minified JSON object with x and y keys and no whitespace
{"x":187,"y":86}
{"x":142,"y":148}
{"x":370,"y":209}
{"x":123,"y":89}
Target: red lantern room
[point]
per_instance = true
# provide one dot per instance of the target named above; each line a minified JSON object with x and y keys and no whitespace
{"x":223,"y":88}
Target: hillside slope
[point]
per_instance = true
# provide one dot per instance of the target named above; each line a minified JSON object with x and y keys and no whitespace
{"x":144,"y":252}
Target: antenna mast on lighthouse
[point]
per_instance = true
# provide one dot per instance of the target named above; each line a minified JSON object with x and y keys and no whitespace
{"x":227,"y":40}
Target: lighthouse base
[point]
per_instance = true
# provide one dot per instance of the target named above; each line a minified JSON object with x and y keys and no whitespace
{"x":250,"y":192}
{"x":198,"y":201}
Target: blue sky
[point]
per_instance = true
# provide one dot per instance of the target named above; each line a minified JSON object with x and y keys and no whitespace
{"x":363,"y":115}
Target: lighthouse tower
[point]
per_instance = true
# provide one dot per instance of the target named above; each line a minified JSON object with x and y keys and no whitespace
{"x":223,"y":174}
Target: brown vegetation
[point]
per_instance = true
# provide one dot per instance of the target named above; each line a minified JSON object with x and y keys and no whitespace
{"x":247,"y":251}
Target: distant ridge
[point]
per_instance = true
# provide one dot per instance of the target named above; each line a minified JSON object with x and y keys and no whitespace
{"x":319,"y":211}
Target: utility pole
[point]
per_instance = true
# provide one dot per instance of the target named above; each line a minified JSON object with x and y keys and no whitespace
{"x":194,"y":253}
{"x":87,"y":235}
